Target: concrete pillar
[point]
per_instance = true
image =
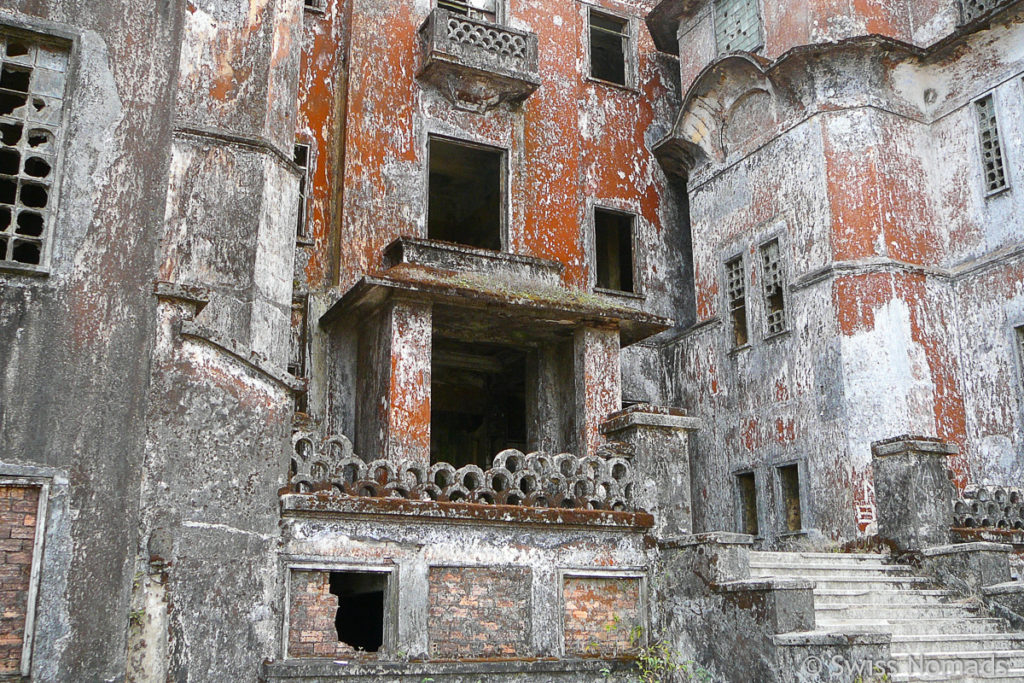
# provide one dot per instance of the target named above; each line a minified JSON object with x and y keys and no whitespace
{"x":660,"y":441}
{"x":393,"y":411}
{"x":598,"y":383}
{"x":913,"y":491}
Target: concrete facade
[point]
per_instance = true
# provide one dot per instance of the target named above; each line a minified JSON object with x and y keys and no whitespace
{"x":460,"y":340}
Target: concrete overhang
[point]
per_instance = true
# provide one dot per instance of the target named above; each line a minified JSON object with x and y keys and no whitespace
{"x":663,"y":23}
{"x":494,"y":303}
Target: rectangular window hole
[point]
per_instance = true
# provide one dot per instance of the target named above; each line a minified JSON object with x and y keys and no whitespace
{"x":772,"y":279}
{"x":613,"y":241}
{"x":465,"y":195}
{"x":301,"y":157}
{"x":746,"y":494}
{"x":478,"y":401}
{"x":789,"y":483}
{"x":15,"y":78}
{"x":30,"y":253}
{"x":609,"y":41}
{"x":361,"y":601}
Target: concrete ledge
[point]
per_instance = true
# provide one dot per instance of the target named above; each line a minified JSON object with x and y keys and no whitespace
{"x":713,"y":537}
{"x":806,"y":638}
{"x":520,"y":669}
{"x":1008,"y":588}
{"x":649,"y":416}
{"x":956,"y":548}
{"x":923,"y":445}
{"x":247,"y":357}
{"x":457,"y":257}
{"x":765,"y":585}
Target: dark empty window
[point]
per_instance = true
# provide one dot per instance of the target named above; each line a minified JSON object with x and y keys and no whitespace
{"x":736,"y":297}
{"x":465,"y":197}
{"x":746,"y":496}
{"x":302,"y":161}
{"x":477,"y":401}
{"x":609,"y":47}
{"x":361,"y":600}
{"x":613,"y":246}
{"x":789,"y":483}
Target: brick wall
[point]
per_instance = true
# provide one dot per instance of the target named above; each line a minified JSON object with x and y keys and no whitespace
{"x":18,"y":507}
{"x":311,"y":630}
{"x":591,"y":607}
{"x":478,"y":612}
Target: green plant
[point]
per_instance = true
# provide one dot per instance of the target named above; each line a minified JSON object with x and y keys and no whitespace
{"x":658,"y":662}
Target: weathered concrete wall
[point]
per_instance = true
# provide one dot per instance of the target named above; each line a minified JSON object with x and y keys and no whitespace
{"x":74,"y":356}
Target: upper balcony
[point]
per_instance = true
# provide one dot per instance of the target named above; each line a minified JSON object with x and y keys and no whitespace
{"x":477,"y":64}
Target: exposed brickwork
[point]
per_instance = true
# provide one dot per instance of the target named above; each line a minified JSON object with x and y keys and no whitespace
{"x":18,"y":507}
{"x":600,"y":614}
{"x":479,"y":612}
{"x":311,"y":630}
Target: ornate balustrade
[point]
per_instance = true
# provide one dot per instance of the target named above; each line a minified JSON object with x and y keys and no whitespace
{"x":514,"y":478}
{"x":990,"y":507}
{"x":476,"y":64}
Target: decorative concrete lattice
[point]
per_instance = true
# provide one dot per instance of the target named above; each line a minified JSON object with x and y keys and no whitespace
{"x":532,"y":480}
{"x":490,"y":38}
{"x":737,"y":25}
{"x":991,"y":145}
{"x":990,"y":507}
{"x":972,"y":9}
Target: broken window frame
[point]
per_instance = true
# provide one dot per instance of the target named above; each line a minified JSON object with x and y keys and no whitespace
{"x":390,"y":626}
{"x":56,"y":41}
{"x":629,"y":49}
{"x":302,"y":221}
{"x":782,"y":503}
{"x":716,"y":20}
{"x":773,"y":328}
{"x":740,"y":503}
{"x":504,"y":238}
{"x":637,"y":290}
{"x":463,"y":7}
{"x":994,"y":130}
{"x":737,"y":305}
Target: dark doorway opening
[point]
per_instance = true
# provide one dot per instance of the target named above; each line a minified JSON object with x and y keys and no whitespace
{"x":360,"y":617}
{"x":613,"y":241}
{"x":746,"y":493}
{"x":477,"y":402}
{"x":465,"y":195}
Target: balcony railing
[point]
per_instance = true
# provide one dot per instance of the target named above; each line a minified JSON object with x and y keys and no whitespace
{"x":475,"y":63}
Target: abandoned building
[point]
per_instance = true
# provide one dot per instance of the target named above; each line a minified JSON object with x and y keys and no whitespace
{"x":506,"y":340}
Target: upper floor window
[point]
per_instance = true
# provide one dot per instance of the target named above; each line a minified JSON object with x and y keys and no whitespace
{"x":609,"y":48}
{"x":737,"y":26}
{"x":465,"y":197}
{"x":990,"y":144}
{"x":475,"y":9}
{"x":301,"y":157}
{"x":772,"y":278}
{"x":32,"y":82}
{"x":613,"y":246}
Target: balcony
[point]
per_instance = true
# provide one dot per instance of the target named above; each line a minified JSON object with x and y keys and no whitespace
{"x":477,"y":65}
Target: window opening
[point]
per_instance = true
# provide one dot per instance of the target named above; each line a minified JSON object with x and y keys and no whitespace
{"x":746,"y":492}
{"x":360,"y":616}
{"x":613,"y":242}
{"x":991,"y":145}
{"x":772,"y":282}
{"x":477,"y":401}
{"x":297,"y":364}
{"x":301,"y":158}
{"x":737,"y":25}
{"x":789,"y":480}
{"x":609,"y":46}
{"x":465,"y":195}
{"x":32,"y":83}
{"x":475,"y":9}
{"x":736,"y":291}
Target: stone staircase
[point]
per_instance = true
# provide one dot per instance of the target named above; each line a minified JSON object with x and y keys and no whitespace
{"x":936,"y":635}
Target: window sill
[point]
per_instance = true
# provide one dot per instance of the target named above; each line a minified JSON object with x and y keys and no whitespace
{"x":636,"y":296}
{"x":778,"y":335}
{"x":304,"y":242}
{"x":792,"y":534}
{"x":315,"y":10}
{"x":736,"y":350}
{"x":23,"y":269}
{"x":996,"y":193}
{"x":613,"y":84}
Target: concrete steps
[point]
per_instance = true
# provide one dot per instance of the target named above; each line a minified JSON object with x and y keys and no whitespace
{"x":936,"y":635}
